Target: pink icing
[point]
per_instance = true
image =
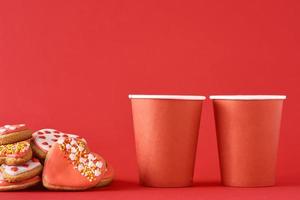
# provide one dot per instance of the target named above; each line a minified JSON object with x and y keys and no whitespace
{"x":6,"y":129}
{"x":16,"y":170}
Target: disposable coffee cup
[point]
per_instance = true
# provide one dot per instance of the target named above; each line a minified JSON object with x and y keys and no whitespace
{"x":248,"y":129}
{"x":166,"y":133}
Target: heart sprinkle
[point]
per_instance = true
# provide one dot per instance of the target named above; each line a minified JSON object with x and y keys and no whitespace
{"x":86,"y":163}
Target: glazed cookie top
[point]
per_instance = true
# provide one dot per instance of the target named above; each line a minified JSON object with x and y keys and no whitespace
{"x":18,"y":149}
{"x":16,"y":170}
{"x":6,"y":129}
{"x":45,"y":138}
{"x":85,"y":162}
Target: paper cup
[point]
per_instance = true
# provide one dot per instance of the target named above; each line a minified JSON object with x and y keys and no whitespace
{"x":248,"y":132}
{"x":166,"y":132}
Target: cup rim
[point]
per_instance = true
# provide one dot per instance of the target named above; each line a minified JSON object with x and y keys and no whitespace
{"x":247,"y":97}
{"x":174,"y":97}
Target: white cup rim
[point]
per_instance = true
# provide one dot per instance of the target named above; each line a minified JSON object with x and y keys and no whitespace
{"x":247,"y":97}
{"x":174,"y":97}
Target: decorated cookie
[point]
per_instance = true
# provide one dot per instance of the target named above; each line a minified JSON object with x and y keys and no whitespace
{"x":7,"y":186}
{"x":18,"y":173}
{"x":14,"y":133}
{"x":15,"y":154}
{"x":44,"y":139}
{"x":70,"y":166}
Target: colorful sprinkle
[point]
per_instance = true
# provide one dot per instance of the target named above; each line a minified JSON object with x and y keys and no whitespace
{"x":15,"y":148}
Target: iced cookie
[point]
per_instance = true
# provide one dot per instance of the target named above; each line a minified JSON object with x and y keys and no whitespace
{"x":18,"y":173}
{"x":14,"y":133}
{"x":15,"y":154}
{"x":7,"y":186}
{"x":70,"y":166}
{"x":43,"y":140}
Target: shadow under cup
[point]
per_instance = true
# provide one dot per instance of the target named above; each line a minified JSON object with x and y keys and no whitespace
{"x":166,"y":132}
{"x":248,"y":133}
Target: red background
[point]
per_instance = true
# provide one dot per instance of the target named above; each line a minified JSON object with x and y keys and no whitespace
{"x":70,"y":65}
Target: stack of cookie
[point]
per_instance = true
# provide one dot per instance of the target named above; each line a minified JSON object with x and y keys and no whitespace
{"x":68,"y":162}
{"x":18,"y":168}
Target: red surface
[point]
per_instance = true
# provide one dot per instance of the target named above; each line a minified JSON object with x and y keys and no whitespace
{"x":69,"y":65}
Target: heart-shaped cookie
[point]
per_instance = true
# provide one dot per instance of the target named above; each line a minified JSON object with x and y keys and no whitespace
{"x":70,"y":166}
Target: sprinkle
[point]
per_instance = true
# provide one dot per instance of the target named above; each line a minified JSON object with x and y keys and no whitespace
{"x":97,"y":172}
{"x":83,"y":160}
{"x":72,"y":156}
{"x":80,"y":167}
{"x":73,"y":142}
{"x":60,"y":140}
{"x":91,"y":157}
{"x":73,"y":150}
{"x":80,"y":148}
{"x":91,"y":164}
{"x":99,"y":164}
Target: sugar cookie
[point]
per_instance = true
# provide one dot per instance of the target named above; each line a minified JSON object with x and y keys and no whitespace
{"x":7,"y":186}
{"x":15,"y":154}
{"x":18,"y":173}
{"x":70,"y":166}
{"x":14,"y":133}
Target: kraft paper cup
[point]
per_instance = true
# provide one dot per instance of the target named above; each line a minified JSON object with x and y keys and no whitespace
{"x":248,"y":132}
{"x":166,"y":132}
